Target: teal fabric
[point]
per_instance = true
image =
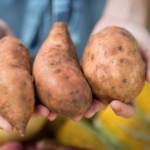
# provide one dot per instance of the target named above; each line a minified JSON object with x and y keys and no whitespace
{"x":31,"y":20}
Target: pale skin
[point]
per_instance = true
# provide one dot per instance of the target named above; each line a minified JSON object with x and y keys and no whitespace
{"x":129,"y":14}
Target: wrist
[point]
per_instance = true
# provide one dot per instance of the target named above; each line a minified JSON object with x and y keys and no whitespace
{"x":128,"y":10}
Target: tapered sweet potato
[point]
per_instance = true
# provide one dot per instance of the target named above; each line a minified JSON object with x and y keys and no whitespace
{"x":113,"y":65}
{"x":59,"y":81}
{"x":16,"y":83}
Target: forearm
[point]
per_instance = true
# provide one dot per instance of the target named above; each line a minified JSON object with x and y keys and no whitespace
{"x":128,"y":10}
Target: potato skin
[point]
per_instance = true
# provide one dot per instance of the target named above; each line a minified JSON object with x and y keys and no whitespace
{"x":113,"y":65}
{"x":59,"y":81}
{"x":16,"y":84}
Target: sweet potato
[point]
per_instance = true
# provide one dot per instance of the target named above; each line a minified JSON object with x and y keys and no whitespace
{"x":59,"y":81}
{"x":113,"y":65}
{"x":16,"y":84}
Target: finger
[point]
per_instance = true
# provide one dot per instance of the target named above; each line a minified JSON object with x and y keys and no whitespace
{"x":40,"y":110}
{"x":122,"y":109}
{"x":12,"y":146}
{"x":5,"y":125}
{"x":77,"y":118}
{"x":52,"y":116}
{"x":95,"y":107}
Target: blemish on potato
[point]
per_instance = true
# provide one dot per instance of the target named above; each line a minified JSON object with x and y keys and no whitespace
{"x":112,"y":61}
{"x":67,"y":77}
{"x":48,"y":95}
{"x":121,"y":60}
{"x":123,"y":33}
{"x":75,"y":102}
{"x":125,"y":61}
{"x":58,"y":45}
{"x":24,"y":97}
{"x":68,"y":60}
{"x":120,"y":87}
{"x":105,"y":53}
{"x":92,"y":57}
{"x":124,"y":80}
{"x":58,"y":71}
{"x":60,"y":101}
{"x":97,"y":67}
{"x":127,"y":35}
{"x":74,"y":92}
{"x":52,"y":63}
{"x":97,"y":89}
{"x":113,"y":89}
{"x":24,"y":83}
{"x":120,"y":48}
{"x":21,"y":46}
{"x":15,"y":65}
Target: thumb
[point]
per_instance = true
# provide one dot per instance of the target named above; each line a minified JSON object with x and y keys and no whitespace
{"x":5,"y":125}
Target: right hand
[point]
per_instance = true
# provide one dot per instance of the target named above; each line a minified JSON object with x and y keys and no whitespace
{"x":12,"y":146}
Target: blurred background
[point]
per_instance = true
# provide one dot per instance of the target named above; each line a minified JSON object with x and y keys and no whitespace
{"x":105,"y":131}
{"x":16,"y":14}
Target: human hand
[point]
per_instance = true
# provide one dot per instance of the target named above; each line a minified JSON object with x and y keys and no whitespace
{"x":12,"y":146}
{"x":4,"y":29}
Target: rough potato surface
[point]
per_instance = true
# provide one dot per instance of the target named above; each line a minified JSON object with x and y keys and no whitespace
{"x":59,"y":81}
{"x":113,"y":65}
{"x":16,"y":83}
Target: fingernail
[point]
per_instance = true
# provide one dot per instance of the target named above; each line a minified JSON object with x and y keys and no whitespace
{"x":89,"y":114}
{"x":77,"y":118}
{"x":51,"y":117}
{"x":115,"y":107}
